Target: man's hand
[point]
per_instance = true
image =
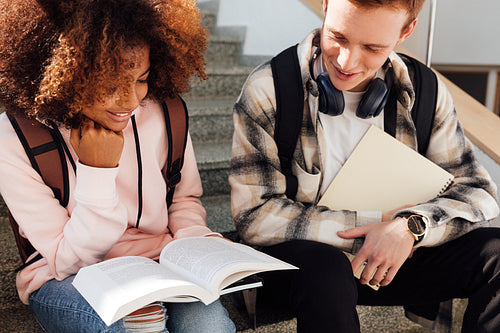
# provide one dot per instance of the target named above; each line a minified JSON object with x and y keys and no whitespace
{"x":386,"y":247}
{"x":97,"y":146}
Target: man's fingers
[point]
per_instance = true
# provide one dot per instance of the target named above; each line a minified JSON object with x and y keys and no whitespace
{"x":391,"y":274}
{"x":357,"y":263}
{"x":368,"y":273}
{"x":380,"y":275}
{"x":354,"y":232}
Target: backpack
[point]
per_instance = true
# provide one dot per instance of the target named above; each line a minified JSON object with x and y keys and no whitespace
{"x":47,"y":153}
{"x":289,"y":93}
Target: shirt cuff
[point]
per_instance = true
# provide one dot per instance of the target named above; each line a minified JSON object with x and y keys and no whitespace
{"x":95,"y":184}
{"x":369,"y":217}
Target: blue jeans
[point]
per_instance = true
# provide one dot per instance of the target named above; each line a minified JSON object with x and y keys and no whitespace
{"x":59,"y":307}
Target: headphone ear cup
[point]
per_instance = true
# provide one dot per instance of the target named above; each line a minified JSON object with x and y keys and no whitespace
{"x":373,"y":100}
{"x":331,"y":100}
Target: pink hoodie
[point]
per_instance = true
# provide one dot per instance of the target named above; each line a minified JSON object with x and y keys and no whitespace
{"x":99,"y":222}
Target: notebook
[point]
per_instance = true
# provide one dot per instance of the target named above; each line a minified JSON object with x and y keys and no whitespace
{"x":383,"y":174}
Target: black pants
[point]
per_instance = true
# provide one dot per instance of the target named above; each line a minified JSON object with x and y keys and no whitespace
{"x":323,"y":293}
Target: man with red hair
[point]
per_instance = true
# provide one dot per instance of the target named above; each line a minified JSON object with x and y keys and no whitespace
{"x":419,"y":254}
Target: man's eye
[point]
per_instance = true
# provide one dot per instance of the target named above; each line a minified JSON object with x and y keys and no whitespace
{"x":373,"y":50}
{"x":338,"y":38}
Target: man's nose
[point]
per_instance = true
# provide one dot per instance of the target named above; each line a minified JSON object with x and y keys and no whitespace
{"x":348,"y":59}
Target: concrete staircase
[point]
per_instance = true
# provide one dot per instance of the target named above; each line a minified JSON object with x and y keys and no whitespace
{"x":210,"y":107}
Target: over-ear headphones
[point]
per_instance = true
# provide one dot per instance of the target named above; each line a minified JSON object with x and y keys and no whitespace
{"x":331,"y":100}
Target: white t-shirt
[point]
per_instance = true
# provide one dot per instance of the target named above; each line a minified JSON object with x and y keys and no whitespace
{"x":344,"y":132}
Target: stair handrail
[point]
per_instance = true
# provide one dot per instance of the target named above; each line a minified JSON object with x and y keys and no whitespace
{"x":481,"y":125}
{"x":315,"y":5}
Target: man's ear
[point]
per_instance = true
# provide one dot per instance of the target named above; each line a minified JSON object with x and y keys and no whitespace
{"x":407,"y":31}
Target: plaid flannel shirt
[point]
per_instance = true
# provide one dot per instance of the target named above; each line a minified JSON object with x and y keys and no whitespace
{"x":263,"y":214}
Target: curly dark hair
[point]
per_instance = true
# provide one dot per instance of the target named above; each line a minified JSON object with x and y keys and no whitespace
{"x":56,"y":56}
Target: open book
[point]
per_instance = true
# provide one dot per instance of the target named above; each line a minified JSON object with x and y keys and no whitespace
{"x":383,"y":174}
{"x":189,"y":269}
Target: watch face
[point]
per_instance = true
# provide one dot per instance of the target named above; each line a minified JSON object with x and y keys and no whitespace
{"x":416,"y":225}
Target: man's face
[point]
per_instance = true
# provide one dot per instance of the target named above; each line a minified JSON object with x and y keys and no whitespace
{"x":356,"y":41}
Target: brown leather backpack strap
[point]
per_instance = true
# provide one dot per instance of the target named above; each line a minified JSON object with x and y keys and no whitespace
{"x":44,"y":148}
{"x":177,"y":124}
{"x":24,"y":247}
{"x":46,"y":154}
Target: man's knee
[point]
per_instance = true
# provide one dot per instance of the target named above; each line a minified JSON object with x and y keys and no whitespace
{"x":323,"y":261}
{"x":491,"y":237}
{"x":323,"y":289}
{"x":486,"y":241}
{"x":324,"y":271}
{"x":314,"y":259}
{"x":490,"y":252}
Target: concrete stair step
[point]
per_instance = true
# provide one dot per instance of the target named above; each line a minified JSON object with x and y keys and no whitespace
{"x":223,"y":50}
{"x":218,"y":209}
{"x":3,"y":208}
{"x":211,"y":120}
{"x":213,"y":164}
{"x":223,"y":81}
{"x":208,"y":11}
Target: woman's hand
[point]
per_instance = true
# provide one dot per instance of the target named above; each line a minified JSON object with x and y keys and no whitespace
{"x":97,"y":146}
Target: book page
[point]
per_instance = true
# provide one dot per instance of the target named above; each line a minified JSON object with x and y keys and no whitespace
{"x":250,"y":282}
{"x":118,"y":286}
{"x":215,"y":263}
{"x":383,"y":174}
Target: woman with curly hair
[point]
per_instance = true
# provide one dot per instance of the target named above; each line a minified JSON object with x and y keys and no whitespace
{"x":97,"y":71}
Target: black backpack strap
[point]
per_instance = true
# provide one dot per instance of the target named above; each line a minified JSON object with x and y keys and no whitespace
{"x":177,"y":124}
{"x":290,"y":103}
{"x":424,"y":108}
{"x":289,"y":109}
{"x":45,"y":149}
{"x":390,"y":113}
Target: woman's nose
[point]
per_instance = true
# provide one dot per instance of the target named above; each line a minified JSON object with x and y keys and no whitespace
{"x":127,"y":99}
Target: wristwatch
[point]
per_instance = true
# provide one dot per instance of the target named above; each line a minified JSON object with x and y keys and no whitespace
{"x":416,"y":226}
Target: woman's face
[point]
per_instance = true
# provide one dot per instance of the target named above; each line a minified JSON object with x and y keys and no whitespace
{"x":115,"y":111}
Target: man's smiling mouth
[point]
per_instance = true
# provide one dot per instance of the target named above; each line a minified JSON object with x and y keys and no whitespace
{"x":345,"y":73}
